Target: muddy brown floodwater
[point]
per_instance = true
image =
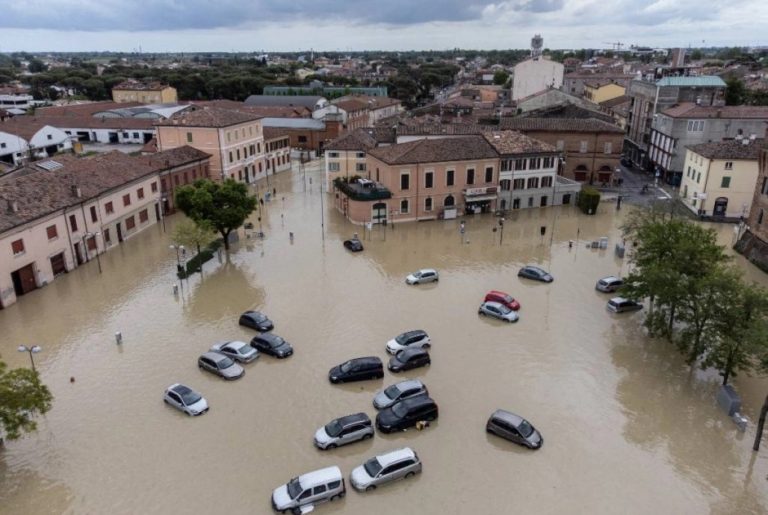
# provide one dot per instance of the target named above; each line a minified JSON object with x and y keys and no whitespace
{"x":628,"y":427}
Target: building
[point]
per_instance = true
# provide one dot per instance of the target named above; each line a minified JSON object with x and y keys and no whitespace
{"x":326,"y":91}
{"x":16,"y":103}
{"x":618,"y":108}
{"x":650,"y":98}
{"x":528,"y":172}
{"x":678,"y":127}
{"x":550,"y":98}
{"x":534,"y":75}
{"x":754,"y":240}
{"x":591,"y":147}
{"x":576,"y":82}
{"x":277,"y":150}
{"x":720,"y":178}
{"x":346,"y":156}
{"x":234,"y":140}
{"x":308,"y":135}
{"x":144,"y":93}
{"x":311,"y":102}
{"x":23,"y":138}
{"x":424,"y":179}
{"x":601,"y":91}
{"x":58,"y":215}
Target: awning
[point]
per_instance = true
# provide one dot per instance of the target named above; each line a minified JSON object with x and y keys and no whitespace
{"x":480,"y":198}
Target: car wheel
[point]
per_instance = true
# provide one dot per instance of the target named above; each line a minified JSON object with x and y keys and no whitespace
{"x":368,"y":436}
{"x":342,"y":494}
{"x":331,"y":446}
{"x":410,"y":474}
{"x":426,"y":346}
{"x":370,"y":487}
{"x":431,"y":418}
{"x":481,"y":313}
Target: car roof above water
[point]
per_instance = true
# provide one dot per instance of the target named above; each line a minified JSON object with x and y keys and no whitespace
{"x":507,"y":416}
{"x":395,"y":456}
{"x":320,"y":476}
{"x":355,"y":418}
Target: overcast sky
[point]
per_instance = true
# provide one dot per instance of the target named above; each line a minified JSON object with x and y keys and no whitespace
{"x":288,"y":25}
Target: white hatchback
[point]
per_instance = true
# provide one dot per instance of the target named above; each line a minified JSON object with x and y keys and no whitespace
{"x":185,"y":399}
{"x":425,"y":275}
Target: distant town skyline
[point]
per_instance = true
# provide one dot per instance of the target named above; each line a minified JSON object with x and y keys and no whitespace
{"x":325,"y":25}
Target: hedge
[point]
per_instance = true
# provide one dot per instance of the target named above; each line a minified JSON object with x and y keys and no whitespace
{"x":196,"y":263}
{"x":589,"y":198}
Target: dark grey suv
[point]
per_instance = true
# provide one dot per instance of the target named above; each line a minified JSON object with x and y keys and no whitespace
{"x":514,"y":428}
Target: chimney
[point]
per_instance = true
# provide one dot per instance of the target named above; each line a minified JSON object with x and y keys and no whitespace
{"x":76,"y":191}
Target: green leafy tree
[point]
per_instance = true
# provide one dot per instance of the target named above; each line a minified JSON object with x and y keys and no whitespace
{"x":22,"y":398}
{"x":735,"y":92}
{"x":192,"y":234}
{"x":500,"y":78}
{"x":37,"y":66}
{"x":221,"y":206}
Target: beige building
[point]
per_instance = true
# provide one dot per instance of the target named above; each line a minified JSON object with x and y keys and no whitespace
{"x":601,"y":91}
{"x":346,"y":156}
{"x":59,"y":215}
{"x":719,"y":178}
{"x":144,"y":93}
{"x":234,"y":139}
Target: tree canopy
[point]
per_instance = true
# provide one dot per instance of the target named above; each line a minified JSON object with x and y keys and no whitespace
{"x":22,"y":398}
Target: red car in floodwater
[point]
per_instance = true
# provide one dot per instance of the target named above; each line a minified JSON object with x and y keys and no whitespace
{"x":502,"y":298}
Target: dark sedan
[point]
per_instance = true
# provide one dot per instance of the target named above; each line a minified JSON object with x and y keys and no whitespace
{"x":406,"y":413}
{"x":256,"y":320}
{"x":535,"y":273}
{"x":408,"y":359}
{"x":272,"y":344}
{"x":353,"y":245}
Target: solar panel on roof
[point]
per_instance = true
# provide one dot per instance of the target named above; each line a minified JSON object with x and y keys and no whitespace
{"x":50,"y":165}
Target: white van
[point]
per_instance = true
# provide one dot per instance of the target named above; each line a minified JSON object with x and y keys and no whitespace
{"x":301,"y":494}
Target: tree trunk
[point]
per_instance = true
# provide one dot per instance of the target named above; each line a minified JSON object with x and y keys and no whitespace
{"x":671,"y":321}
{"x":760,"y":424}
{"x":225,"y":235}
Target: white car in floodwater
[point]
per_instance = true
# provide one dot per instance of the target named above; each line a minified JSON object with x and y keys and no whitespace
{"x":425,"y":275}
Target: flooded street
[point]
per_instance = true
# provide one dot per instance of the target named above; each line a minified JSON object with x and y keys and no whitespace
{"x":628,"y":427}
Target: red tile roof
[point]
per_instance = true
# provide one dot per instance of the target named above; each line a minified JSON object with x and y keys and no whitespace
{"x":436,"y":151}
{"x":691,"y":110}
{"x":559,"y":125}
{"x":730,"y":149}
{"x":513,"y":142}
{"x":213,"y":117}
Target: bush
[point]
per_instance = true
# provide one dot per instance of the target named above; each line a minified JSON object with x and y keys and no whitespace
{"x":589,"y":198}
{"x":196,"y":263}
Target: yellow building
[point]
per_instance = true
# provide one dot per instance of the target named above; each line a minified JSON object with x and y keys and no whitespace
{"x":719,"y":178}
{"x":600,"y":91}
{"x":144,"y":93}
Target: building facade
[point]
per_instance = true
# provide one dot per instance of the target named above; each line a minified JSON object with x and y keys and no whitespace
{"x":534,"y":75}
{"x":24,"y":139}
{"x":599,"y":91}
{"x":144,"y":93}
{"x":754,"y":239}
{"x":277,"y":157}
{"x":346,"y":156}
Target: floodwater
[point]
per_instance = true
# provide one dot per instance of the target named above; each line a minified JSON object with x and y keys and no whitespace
{"x":628,"y":427}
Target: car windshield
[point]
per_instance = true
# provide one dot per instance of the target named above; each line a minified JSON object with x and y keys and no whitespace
{"x":258,"y":317}
{"x":372,"y":467}
{"x":294,"y":488}
{"x":417,"y":274}
{"x":225,"y":363}
{"x":402,"y":338}
{"x":346,"y":367}
{"x":245,"y":349}
{"x":525,"y":428}
{"x":190,"y":397}
{"x":333,"y":428}
{"x":275,"y":342}
{"x":399,"y":409}
{"x":392,"y":392}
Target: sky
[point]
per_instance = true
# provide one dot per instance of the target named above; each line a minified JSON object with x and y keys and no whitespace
{"x":344,"y":25}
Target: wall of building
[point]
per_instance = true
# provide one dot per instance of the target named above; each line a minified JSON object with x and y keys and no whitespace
{"x":166,"y":95}
{"x":532,"y":76}
{"x":107,"y":135}
{"x":705,"y":176}
{"x":603,"y":93}
{"x":278,"y":155}
{"x":345,"y":163}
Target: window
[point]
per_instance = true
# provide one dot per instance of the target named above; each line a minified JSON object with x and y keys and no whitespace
{"x":360,"y":155}
{"x":153,"y":187}
{"x":2,"y":145}
{"x":405,"y":181}
{"x":521,"y":164}
{"x":470,"y":176}
{"x":302,"y":139}
{"x":535,"y":163}
{"x":73,"y":223}
{"x":238,"y":154}
{"x":91,"y":242}
{"x":765,"y":182}
{"x":428,"y":179}
{"x":726,"y":182}
{"x":229,"y":137}
{"x":530,"y":201}
{"x":127,"y":199}
{"x":49,"y":136}
{"x":94,"y":218}
{"x":140,"y":193}
{"x":428,"y":204}
{"x":109,"y":208}
{"x":698,"y":178}
{"x":360,"y":167}
{"x":583,"y":147}
{"x":333,"y":154}
{"x":760,"y":217}
{"x":518,"y":184}
{"x":549,"y":162}
{"x":533,"y":182}
{"x":189,"y":137}
{"x":608,"y":147}
{"x":546,"y":182}
{"x":449,"y":177}
{"x":729,"y":165}
{"x":143,"y":216}
{"x":404,"y":207}
{"x":135,"y":135}
{"x":333,"y":167}
{"x":17,"y":247}
{"x":505,"y":184}
{"x":318,"y":489}
{"x":489,"y":174}
{"x":130,"y":223}
{"x":231,"y":157}
{"x":107,"y":237}
{"x":52,"y":232}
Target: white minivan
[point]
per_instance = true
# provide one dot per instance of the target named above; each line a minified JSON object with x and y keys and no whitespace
{"x":302,"y":493}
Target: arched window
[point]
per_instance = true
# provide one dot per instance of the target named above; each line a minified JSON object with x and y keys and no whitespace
{"x":449,"y":201}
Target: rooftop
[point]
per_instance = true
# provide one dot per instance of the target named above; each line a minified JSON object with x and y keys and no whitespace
{"x":359,"y":139}
{"x":730,"y":149}
{"x":559,"y":125}
{"x":214,"y":117}
{"x":294,"y":123}
{"x":435,"y":150}
{"x":691,"y":110}
{"x":309,"y":101}
{"x":134,"y":85}
{"x":513,"y":142}
{"x":701,"y":81}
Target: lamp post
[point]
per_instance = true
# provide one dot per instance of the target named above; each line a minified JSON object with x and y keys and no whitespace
{"x":31,"y":350}
{"x":177,"y":248}
{"x":162,"y":210}
{"x":501,"y":230}
{"x":85,"y":245}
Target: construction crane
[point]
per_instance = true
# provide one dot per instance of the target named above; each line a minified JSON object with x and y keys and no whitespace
{"x":616,"y":46}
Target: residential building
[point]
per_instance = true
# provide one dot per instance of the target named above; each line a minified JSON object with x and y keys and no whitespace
{"x":357,"y":113}
{"x":720,"y":178}
{"x":23,"y":138}
{"x":528,"y":172}
{"x":326,"y":91}
{"x":754,"y":240}
{"x":618,"y":108}
{"x":58,"y":214}
{"x":576,"y":82}
{"x":678,"y":127}
{"x":650,"y":98}
{"x":375,"y":107}
{"x":311,"y":102}
{"x":308,"y":135}
{"x":346,"y":156}
{"x":550,"y":98}
{"x":534,"y":75}
{"x":234,"y":139}
{"x":16,"y":103}
{"x":600,"y":91}
{"x":144,"y":92}
{"x":277,"y":150}
{"x":591,"y":147}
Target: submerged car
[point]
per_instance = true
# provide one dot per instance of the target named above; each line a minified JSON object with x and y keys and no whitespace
{"x":406,"y":413}
{"x":609,"y":284}
{"x":353,"y":245}
{"x":417,"y":339}
{"x":535,"y":273}
{"x":409,"y":359}
{"x":622,"y":305}
{"x":385,"y":468}
{"x":302,"y":493}
{"x":185,"y":399}
{"x":357,"y":369}
{"x":221,"y":365}
{"x":514,"y":428}
{"x":272,"y":344}
{"x":399,"y":391}
{"x":502,"y":298}
{"x":497,"y":310}
{"x":344,"y":430}
{"x":256,"y":320}
{"x":425,"y":275}
{"x":239,"y":351}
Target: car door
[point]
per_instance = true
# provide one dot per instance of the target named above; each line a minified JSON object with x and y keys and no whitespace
{"x":511,"y":432}
{"x":175,"y":400}
{"x":304,"y":497}
{"x":318,"y":493}
{"x":207,"y":365}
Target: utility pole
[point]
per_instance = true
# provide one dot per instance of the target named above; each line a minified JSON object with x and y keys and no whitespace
{"x":760,"y":424}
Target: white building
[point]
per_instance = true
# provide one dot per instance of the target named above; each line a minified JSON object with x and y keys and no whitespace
{"x":22,"y":138}
{"x":535,"y":75}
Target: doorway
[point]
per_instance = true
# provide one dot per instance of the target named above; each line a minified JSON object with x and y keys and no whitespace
{"x":119,"y":232}
{"x":24,"y":279}
{"x":57,"y":264}
{"x":79,"y":254}
{"x":566,"y":199}
{"x":379,"y":212}
{"x":721,"y":205}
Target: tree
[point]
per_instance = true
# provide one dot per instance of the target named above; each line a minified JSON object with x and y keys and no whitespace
{"x":735,"y":92}
{"x":222,"y":206}
{"x":36,"y":66}
{"x":22,"y":397}
{"x":500,"y":77}
{"x":192,"y":235}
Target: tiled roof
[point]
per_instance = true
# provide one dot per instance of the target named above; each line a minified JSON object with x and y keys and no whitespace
{"x":175,"y":157}
{"x":513,"y":142}
{"x":85,"y":109}
{"x":271,"y":133}
{"x":702,"y":81}
{"x":446,"y":129}
{"x":351,"y":105}
{"x":435,"y":151}
{"x":589,"y":75}
{"x":309,"y":101}
{"x":266,"y":111}
{"x":729,"y":149}
{"x":372,"y":102}
{"x":623,"y":99}
{"x":24,"y":127}
{"x":691,"y":110}
{"x":214,"y":117}
{"x":559,"y":125}
{"x":358,"y":139}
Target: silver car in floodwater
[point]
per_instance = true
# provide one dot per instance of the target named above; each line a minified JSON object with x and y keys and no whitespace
{"x":221,"y":365}
{"x":385,"y":468}
{"x":425,"y":275}
{"x":239,"y":351}
{"x":399,"y":391}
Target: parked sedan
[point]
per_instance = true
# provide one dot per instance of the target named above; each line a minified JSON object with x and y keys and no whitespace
{"x":385,"y":468}
{"x":256,"y":320}
{"x":408,"y":359}
{"x":609,"y":284}
{"x":417,"y":339}
{"x":406,"y":413}
{"x":497,"y":310}
{"x":221,"y":365}
{"x":425,"y":275}
{"x":535,"y":273}
{"x":239,"y":351}
{"x":343,"y":431}
{"x":622,"y":305}
{"x":353,"y":245}
{"x":185,"y":399}
{"x":357,"y":369}
{"x":514,"y":428}
{"x":399,"y":391}
{"x":272,"y":344}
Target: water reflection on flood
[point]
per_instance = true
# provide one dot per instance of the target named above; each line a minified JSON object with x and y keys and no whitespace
{"x":628,"y":427}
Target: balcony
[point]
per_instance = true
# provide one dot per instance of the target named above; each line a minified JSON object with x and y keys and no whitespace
{"x":362,"y":189}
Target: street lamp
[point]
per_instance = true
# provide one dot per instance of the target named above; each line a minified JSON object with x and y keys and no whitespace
{"x":501,"y":230}
{"x":178,"y":248}
{"x":31,"y":350}
{"x":162,"y":210}
{"x":92,"y":235}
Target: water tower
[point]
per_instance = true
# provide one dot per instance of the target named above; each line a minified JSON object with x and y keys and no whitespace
{"x":537,"y":43}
